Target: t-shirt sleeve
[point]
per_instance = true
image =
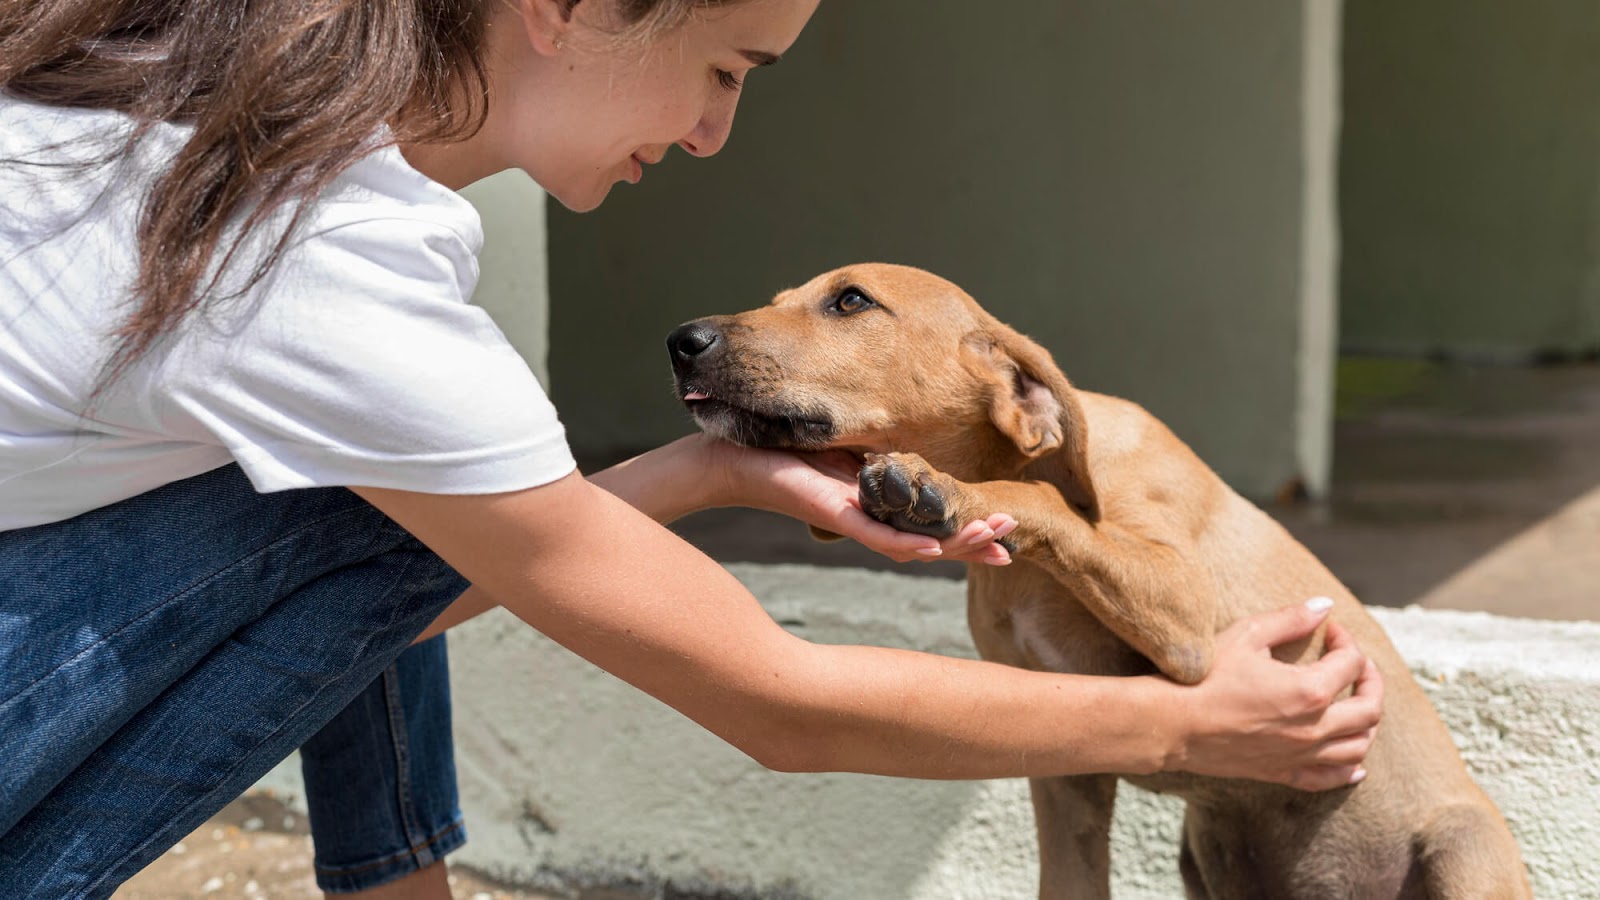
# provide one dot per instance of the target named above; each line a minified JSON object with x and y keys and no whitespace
{"x":360,"y":361}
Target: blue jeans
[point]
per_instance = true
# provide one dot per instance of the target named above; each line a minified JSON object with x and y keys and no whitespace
{"x":159,"y":655}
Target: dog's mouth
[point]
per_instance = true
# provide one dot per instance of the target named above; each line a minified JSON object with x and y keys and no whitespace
{"x":754,"y":423}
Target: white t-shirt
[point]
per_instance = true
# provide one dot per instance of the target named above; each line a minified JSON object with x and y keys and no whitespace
{"x":357,"y":361}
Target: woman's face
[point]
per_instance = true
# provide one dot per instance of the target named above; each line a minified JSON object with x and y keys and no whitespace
{"x":580,"y":109}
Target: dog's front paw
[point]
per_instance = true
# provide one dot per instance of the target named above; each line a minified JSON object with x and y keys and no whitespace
{"x":902,"y":490}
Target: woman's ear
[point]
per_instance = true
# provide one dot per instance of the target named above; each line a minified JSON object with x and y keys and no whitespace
{"x":1034,"y":406}
{"x":545,"y":22}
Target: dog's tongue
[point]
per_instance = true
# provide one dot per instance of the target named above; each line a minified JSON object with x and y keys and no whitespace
{"x":696,"y":395}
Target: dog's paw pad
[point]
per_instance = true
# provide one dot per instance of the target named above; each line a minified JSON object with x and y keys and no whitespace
{"x":929,"y":504}
{"x":900,"y":491}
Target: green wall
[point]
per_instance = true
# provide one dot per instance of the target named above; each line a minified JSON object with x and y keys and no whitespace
{"x":1470,"y":177}
{"x":1125,"y":181}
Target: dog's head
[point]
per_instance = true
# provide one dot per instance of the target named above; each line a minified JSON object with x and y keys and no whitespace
{"x":880,"y":358}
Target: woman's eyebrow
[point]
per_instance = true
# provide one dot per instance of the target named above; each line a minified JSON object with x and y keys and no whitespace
{"x":760,"y":57}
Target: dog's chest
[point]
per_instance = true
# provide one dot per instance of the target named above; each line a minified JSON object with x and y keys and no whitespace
{"x":1023,"y":617}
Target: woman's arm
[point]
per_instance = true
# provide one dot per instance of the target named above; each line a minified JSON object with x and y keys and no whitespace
{"x":592,"y":572}
{"x":701,"y":472}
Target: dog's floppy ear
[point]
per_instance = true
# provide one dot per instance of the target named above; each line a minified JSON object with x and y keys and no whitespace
{"x":1036,"y":408}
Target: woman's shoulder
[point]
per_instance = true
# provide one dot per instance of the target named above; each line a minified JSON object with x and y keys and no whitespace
{"x":56,"y":147}
{"x":28,"y":128}
{"x":382,"y":187}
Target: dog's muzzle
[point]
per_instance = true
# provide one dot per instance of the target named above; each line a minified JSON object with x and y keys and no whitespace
{"x":723,"y":407}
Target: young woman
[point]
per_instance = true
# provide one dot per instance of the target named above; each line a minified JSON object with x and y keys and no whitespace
{"x":253,"y":441}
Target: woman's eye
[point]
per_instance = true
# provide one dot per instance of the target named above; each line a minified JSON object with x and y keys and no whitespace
{"x":850,"y":301}
{"x":728,"y":80}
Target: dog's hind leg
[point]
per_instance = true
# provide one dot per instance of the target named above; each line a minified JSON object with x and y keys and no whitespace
{"x":1074,"y":820}
{"x":1468,"y":852}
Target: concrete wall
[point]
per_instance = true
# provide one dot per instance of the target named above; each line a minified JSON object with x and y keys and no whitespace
{"x":1470,"y":177}
{"x":1145,"y":187}
{"x":572,"y":779}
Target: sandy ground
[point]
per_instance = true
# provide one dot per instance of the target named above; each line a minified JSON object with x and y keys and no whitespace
{"x":1450,"y":483}
{"x":259,"y":849}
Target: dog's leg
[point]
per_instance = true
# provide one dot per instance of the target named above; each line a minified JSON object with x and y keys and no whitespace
{"x":1467,"y":852}
{"x":1144,"y":589}
{"x":1194,"y":885}
{"x":1074,"y":820}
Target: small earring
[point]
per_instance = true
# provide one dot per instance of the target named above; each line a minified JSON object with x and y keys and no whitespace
{"x":559,"y":43}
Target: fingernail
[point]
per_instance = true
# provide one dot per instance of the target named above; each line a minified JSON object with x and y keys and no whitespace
{"x":998,"y":562}
{"x":1006,"y":528}
{"x":985,"y":535}
{"x":930,"y":551}
{"x":1357,"y":776}
{"x":1319,"y":604}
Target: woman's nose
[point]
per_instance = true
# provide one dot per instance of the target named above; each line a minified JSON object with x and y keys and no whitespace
{"x":710,"y":134}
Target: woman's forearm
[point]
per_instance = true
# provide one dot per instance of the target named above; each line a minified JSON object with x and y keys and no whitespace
{"x":590,"y":572}
{"x":959,"y":719}
{"x":586,"y":569}
{"x":666,"y":483}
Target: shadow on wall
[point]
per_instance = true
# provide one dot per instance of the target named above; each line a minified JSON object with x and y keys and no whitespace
{"x":1469,"y":172}
{"x":1464,"y":487}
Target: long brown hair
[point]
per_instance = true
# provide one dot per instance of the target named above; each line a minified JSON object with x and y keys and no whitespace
{"x":283,"y":95}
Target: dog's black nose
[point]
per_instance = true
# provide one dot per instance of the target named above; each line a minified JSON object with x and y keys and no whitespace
{"x":691,"y":340}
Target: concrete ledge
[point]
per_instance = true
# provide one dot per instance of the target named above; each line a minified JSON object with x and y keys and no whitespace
{"x":573,"y":779}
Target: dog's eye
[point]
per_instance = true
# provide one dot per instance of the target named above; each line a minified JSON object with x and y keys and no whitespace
{"x":850,"y":300}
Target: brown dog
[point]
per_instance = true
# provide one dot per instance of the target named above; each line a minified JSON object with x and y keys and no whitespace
{"x":1136,"y":555}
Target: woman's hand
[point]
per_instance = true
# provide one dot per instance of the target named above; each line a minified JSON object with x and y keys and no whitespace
{"x":821,"y":490}
{"x":1255,"y":717}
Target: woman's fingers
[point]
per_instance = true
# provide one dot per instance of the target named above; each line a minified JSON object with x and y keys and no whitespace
{"x":1370,"y":685}
{"x":977,"y":542}
{"x":1347,"y":751}
{"x":821,"y":489}
{"x":1342,"y":667}
{"x":900,"y":546}
{"x":1282,"y":722}
{"x":977,"y":532}
{"x":1280,"y":626}
{"x":974,"y":543}
{"x":1358,"y":713}
{"x":1324,"y":778}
